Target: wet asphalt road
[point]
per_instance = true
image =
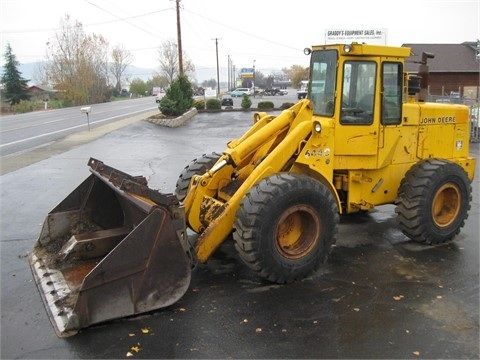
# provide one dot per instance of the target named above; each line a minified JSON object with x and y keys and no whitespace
{"x":379,"y":295}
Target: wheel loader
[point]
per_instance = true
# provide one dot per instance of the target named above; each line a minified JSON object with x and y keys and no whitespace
{"x":363,"y":137}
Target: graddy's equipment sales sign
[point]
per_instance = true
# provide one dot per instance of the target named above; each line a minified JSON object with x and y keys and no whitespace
{"x":347,"y":36}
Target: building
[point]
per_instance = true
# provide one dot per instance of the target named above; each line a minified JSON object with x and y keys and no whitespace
{"x":41,"y":93}
{"x":454,"y":72}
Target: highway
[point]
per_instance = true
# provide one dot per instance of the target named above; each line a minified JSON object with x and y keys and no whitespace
{"x":22,"y":132}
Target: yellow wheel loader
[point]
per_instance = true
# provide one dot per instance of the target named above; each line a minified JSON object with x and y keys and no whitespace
{"x":365,"y":136}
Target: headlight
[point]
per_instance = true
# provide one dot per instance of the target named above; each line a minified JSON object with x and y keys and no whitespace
{"x":347,"y":48}
{"x":317,"y":127}
{"x":307,"y":51}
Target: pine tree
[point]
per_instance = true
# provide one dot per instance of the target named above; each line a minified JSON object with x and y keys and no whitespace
{"x":14,"y":86}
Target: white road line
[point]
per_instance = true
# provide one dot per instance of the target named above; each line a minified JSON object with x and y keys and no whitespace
{"x":66,"y":129}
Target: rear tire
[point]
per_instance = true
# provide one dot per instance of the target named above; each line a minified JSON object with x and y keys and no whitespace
{"x":286,"y":226}
{"x":433,"y":201}
{"x":196,"y":167}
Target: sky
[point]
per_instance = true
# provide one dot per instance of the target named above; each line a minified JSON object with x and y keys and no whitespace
{"x":267,"y":34}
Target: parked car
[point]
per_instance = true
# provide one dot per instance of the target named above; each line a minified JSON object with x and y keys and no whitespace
{"x":238,"y":92}
{"x":227,"y":100}
{"x":275,"y":91}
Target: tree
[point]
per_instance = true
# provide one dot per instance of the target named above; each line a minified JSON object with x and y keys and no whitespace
{"x":121,"y":59}
{"x":169,"y":63}
{"x":138,"y":87}
{"x":178,"y":98}
{"x":212,"y":83}
{"x":77,"y":64}
{"x":158,"y":81}
{"x":297,"y":73}
{"x":15,"y":87}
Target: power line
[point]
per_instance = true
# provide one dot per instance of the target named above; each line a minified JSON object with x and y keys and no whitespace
{"x":244,"y":32}
{"x":122,"y":19}
{"x":118,"y":19}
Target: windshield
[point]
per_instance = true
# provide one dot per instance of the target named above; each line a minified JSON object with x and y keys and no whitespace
{"x":323,"y":72}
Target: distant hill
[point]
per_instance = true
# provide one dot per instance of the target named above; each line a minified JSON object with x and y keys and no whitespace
{"x":30,"y":70}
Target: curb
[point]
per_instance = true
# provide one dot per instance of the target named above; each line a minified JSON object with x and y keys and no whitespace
{"x":176,"y":122}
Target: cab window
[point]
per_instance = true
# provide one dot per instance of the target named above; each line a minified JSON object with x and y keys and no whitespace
{"x":391,"y":93}
{"x":323,"y":75}
{"x":358,"y":96}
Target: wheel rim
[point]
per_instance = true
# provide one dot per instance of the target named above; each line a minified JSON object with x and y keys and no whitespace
{"x":297,"y":232}
{"x":446,"y":205}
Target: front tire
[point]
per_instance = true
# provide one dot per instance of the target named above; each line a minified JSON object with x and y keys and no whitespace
{"x":286,"y":226}
{"x":433,"y":201}
{"x":196,"y":167}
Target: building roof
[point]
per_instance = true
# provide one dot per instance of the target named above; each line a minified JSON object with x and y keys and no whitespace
{"x":39,"y":88}
{"x":454,"y":58}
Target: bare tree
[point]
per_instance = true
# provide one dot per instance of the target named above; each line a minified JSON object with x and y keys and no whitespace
{"x":77,"y":64}
{"x":169,"y":64}
{"x":121,"y":59}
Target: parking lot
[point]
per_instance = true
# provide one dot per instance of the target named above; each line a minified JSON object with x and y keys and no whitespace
{"x":379,"y":295}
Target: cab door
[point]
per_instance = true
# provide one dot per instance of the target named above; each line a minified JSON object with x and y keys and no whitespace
{"x":358,"y":129}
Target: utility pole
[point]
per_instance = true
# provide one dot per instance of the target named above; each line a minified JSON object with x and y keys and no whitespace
{"x":218,"y":73}
{"x":228,"y":73}
{"x":234,"y":77}
{"x":179,"y":40}
{"x":253,"y":78}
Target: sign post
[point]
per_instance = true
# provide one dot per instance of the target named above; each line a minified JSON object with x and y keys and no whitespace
{"x":86,"y":110}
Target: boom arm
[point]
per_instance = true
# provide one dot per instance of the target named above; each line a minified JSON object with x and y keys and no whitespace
{"x":214,"y":197}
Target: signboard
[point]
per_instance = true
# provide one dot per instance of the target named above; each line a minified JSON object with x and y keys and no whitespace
{"x":209,"y":92}
{"x":247,"y":73}
{"x":347,"y":36}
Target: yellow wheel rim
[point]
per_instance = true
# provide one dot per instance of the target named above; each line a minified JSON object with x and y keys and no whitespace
{"x":446,"y":205}
{"x":297,"y":232}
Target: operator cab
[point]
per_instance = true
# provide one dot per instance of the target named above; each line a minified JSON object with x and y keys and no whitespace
{"x":354,"y":79}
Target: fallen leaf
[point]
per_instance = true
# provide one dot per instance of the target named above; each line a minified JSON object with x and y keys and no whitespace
{"x":131,"y":334}
{"x":399,"y":297}
{"x":129,"y":354}
{"x":439,"y":297}
{"x":182,"y":309}
{"x":135,"y":348}
{"x":145,"y":330}
{"x":258,"y":330}
{"x":356,"y":309}
{"x":417,"y":353}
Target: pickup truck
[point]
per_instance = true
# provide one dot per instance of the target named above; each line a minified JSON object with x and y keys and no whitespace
{"x":303,"y":91}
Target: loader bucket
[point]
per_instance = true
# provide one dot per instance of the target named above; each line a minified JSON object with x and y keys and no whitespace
{"x":111,"y":249}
